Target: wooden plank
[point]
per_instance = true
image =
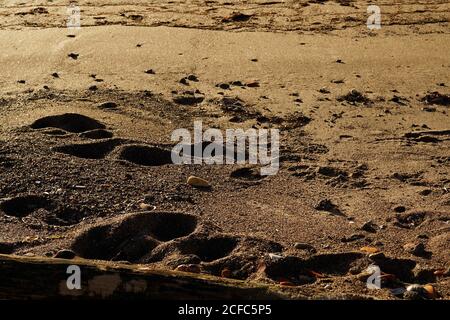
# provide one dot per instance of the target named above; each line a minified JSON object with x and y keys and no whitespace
{"x":46,"y":278}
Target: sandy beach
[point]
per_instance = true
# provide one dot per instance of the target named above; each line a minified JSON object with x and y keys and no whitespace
{"x":364,"y":158}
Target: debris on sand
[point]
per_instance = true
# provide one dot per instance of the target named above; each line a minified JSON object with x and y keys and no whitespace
{"x":238,"y":109}
{"x":237,"y":17}
{"x":410,"y":220}
{"x":304,"y":246}
{"x":146,"y":207}
{"x":431,"y":291}
{"x":330,"y":171}
{"x":417,"y":249}
{"x":370,"y":250}
{"x":247,"y":174}
{"x":188,"y":98}
{"x":235,"y":83}
{"x":419,"y":292}
{"x":354,"y":97}
{"x":73,"y":55}
{"x":400,"y":209}
{"x":198,"y":182}
{"x":369,"y":226}
{"x":38,"y":10}
{"x":329,"y":206}
{"x":223,"y":86}
{"x":296,"y":120}
{"x":192,"y":268}
{"x":136,"y":17}
{"x":399,"y":100}
{"x":253,"y":84}
{"x":230,"y":104}
{"x":192,"y":77}
{"x":437,"y":98}
{"x":353,"y":237}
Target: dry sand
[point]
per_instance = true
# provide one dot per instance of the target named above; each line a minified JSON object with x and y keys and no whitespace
{"x":365,"y":135}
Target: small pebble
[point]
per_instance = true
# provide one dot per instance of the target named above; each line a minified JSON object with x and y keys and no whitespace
{"x":369,"y":226}
{"x":425,"y":192}
{"x":399,"y":209}
{"x":237,"y":83}
{"x":329,"y":206}
{"x":414,"y":287}
{"x":353,"y":237}
{"x":275,"y":257}
{"x":192,"y":77}
{"x":253,"y":84}
{"x":198,"y":182}
{"x":369,"y":249}
{"x":430,"y":290}
{"x":417,"y":249}
{"x":224,"y":86}
{"x":73,"y":55}
{"x":192,"y":268}
{"x":146,"y":207}
{"x":416,"y":292}
{"x":304,"y":246}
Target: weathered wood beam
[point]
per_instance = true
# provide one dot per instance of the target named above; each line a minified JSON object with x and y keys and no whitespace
{"x":46,"y":278}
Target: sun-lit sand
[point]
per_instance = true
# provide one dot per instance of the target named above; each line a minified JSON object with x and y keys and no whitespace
{"x":87,"y":115}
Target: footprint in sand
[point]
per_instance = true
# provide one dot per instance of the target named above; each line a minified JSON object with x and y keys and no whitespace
{"x":70,"y":122}
{"x":41,"y":208}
